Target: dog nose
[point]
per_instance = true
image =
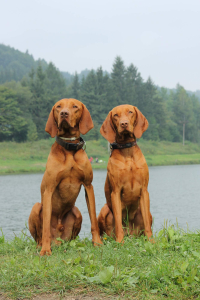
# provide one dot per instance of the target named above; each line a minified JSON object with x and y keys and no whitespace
{"x":124,"y":124}
{"x":64,"y":113}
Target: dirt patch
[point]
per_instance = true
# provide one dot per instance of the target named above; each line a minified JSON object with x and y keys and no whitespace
{"x":69,"y":296}
{"x":91,"y":296}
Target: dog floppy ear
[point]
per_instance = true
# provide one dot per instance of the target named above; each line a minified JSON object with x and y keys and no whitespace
{"x":141,"y":124}
{"x":86,"y":122}
{"x":107,"y":129}
{"x":51,"y":126}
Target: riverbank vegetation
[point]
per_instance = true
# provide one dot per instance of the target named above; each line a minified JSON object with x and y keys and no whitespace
{"x":170,"y":268}
{"x":31,"y":157}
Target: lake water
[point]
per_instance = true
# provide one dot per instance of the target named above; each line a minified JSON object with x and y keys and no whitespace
{"x":174,"y":193}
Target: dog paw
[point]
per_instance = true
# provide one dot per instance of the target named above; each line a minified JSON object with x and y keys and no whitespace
{"x":120,"y":239}
{"x":58,"y":243}
{"x":45,"y":252}
{"x":151,"y":239}
{"x":97,"y":241}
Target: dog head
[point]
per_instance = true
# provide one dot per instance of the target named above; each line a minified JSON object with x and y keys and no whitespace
{"x":68,"y":116}
{"x":123,"y":123}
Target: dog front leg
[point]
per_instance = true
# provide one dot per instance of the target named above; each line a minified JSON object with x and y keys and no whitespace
{"x":46,"y":233}
{"x":145,"y":210}
{"x":117,"y":212}
{"x":90,"y":199}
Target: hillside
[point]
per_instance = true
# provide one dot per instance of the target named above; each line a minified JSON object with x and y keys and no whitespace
{"x":14,"y":64}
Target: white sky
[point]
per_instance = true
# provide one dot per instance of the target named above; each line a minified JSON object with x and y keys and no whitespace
{"x":160,"y":37}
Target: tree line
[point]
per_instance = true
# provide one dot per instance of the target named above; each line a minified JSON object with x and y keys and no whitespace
{"x":14,"y":64}
{"x":25,"y":104}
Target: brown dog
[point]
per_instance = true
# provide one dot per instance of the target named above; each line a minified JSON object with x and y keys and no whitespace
{"x":67,"y":169}
{"x":127,"y":177}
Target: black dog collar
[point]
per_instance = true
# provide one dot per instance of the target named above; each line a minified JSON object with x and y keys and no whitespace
{"x":71,"y":146}
{"x":122,"y":146}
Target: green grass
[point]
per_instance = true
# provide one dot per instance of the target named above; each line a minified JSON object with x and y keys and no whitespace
{"x":31,"y":157}
{"x":167,"y":269}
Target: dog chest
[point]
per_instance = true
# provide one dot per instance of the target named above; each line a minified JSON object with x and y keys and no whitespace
{"x":128,"y":178}
{"x":131,"y":191}
{"x":69,"y":188}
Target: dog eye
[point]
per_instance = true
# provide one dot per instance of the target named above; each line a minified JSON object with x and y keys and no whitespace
{"x":75,"y":106}
{"x":116,"y":115}
{"x":130,"y":112}
{"x":58,"y":106}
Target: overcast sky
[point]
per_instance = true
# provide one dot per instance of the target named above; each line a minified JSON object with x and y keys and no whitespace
{"x":160,"y":37}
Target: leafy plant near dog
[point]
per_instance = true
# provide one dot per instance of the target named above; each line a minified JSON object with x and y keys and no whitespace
{"x":170,"y":267}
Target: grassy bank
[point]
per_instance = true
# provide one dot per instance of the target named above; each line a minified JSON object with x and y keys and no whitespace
{"x":32,"y":157}
{"x":168,"y":269}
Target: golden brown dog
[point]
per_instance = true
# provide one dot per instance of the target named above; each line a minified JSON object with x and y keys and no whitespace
{"x":67,"y":169}
{"x":127,"y":177}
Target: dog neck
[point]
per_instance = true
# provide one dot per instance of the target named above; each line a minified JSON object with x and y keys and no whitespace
{"x":125,"y":143}
{"x":69,"y":135}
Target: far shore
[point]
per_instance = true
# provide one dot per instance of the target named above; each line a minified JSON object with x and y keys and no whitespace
{"x":31,"y":157}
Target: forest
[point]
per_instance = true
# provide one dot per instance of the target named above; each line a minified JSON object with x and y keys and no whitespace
{"x":29,"y":89}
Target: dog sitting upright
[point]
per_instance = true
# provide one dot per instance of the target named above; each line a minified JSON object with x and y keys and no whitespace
{"x":127,"y":177}
{"x":67,"y":169}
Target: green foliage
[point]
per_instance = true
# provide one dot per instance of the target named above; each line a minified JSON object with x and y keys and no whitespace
{"x":47,"y":87}
{"x":32,"y":132}
{"x":12,"y":123}
{"x":118,"y":74}
{"x":169,"y":113}
{"x":168,"y":268}
{"x":75,"y":87}
{"x":183,"y":109}
{"x":89,"y":94}
{"x":14,"y":65}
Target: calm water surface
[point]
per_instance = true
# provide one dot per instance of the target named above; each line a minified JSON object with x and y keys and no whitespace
{"x":174,"y":193}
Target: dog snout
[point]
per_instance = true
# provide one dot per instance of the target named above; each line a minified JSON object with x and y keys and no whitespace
{"x":124,"y":124}
{"x":64,"y":113}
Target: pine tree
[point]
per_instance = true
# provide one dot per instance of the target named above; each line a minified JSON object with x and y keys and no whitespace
{"x":12,"y":123}
{"x":89,"y":94}
{"x":131,"y":76}
{"x":75,"y":87}
{"x":32,"y":131}
{"x":54,"y":83}
{"x":100,"y":81}
{"x":117,"y":75}
{"x":40,"y":106}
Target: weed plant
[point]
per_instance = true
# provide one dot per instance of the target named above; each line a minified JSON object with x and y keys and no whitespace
{"x":138,"y":269}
